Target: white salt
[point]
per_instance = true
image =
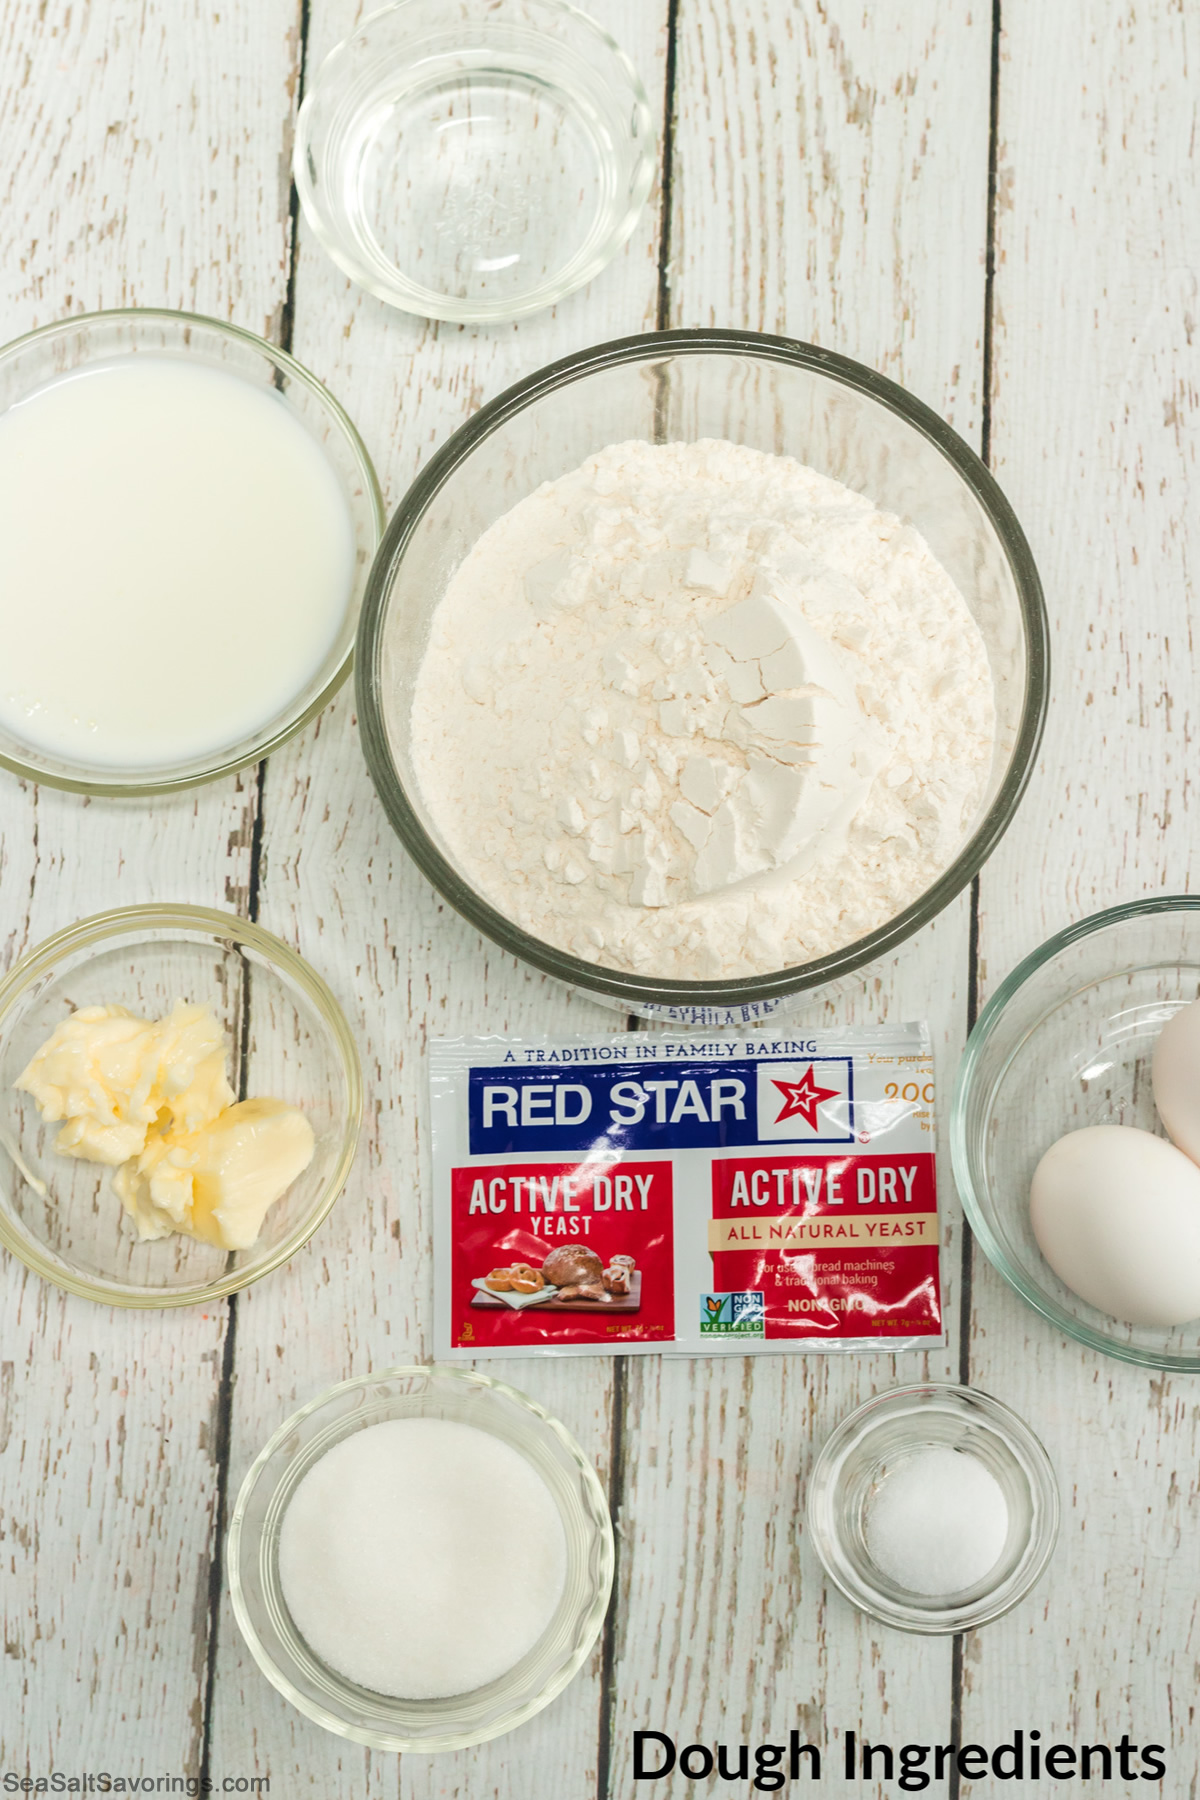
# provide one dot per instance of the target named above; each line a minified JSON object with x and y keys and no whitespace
{"x":422,"y":1557}
{"x":938,"y":1522}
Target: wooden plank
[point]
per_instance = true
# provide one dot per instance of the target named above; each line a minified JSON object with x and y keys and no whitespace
{"x":140,"y":150}
{"x":844,"y":153}
{"x":1094,"y":437}
{"x":336,"y":882}
{"x":143,"y":162}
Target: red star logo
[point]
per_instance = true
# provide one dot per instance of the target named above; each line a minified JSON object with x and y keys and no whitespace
{"x":802,"y":1098}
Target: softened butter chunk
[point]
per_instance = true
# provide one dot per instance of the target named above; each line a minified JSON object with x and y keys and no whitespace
{"x":112,"y":1076}
{"x":97,"y":1071}
{"x":217,"y":1183}
{"x":191,"y":1066}
{"x":152,"y":1100}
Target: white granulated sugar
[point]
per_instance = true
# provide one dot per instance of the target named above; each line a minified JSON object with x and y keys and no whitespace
{"x":422,"y":1557}
{"x":697,"y":711}
{"x":938,"y":1522}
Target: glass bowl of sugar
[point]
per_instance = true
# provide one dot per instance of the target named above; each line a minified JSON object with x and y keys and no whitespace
{"x":421,"y":1559}
{"x":933,"y":1508}
{"x":281,"y":1033}
{"x":187,"y":520}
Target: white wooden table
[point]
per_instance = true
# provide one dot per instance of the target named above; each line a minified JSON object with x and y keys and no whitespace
{"x":999,"y":206}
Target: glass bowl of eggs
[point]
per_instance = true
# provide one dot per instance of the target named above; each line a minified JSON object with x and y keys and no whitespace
{"x":180,"y":1102}
{"x":1075,"y":1131}
{"x":421,"y":1559}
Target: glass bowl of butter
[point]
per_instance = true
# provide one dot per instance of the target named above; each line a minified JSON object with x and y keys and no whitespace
{"x":180,"y":1102}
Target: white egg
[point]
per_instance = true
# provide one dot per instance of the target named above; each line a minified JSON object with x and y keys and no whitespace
{"x":1176,"y":1076}
{"x":1116,"y":1213}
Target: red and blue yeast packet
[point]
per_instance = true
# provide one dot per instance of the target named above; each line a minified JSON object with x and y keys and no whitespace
{"x":701,"y":1195}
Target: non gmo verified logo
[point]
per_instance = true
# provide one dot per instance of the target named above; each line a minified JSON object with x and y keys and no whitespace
{"x":733,"y":1315}
{"x":806,"y":1102}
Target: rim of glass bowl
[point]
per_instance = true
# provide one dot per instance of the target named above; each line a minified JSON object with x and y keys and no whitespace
{"x":129,"y":921}
{"x":960,"y":1161}
{"x":745,"y":990}
{"x":96,"y":785}
{"x":590,"y":1624}
{"x":1011,"y":1428}
{"x":428,"y":303}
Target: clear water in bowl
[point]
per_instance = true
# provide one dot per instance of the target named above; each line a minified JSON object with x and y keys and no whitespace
{"x":479,"y":183}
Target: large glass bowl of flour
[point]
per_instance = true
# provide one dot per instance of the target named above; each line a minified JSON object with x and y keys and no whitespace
{"x":702,"y":668}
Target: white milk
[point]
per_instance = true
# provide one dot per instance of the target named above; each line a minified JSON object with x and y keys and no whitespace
{"x":176,"y":556}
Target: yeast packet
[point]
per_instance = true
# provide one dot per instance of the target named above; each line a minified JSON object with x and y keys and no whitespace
{"x":700,"y":1195}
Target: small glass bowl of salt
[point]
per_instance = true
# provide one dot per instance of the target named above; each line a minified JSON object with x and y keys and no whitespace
{"x":934,"y":1508}
{"x":421,"y":1559}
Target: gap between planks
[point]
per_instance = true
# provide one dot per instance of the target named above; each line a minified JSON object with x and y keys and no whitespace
{"x":958,"y":1653}
{"x":224,"y":1423}
{"x":620,"y":1392}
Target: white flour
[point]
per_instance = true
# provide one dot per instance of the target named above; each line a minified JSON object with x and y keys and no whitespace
{"x":697,"y":711}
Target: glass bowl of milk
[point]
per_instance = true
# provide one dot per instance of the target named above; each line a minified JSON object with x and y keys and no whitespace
{"x":187,"y":520}
{"x":283,"y":1034}
{"x":397,"y":1525}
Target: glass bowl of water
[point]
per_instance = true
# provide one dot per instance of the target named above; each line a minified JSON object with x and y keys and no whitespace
{"x":475,"y":160}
